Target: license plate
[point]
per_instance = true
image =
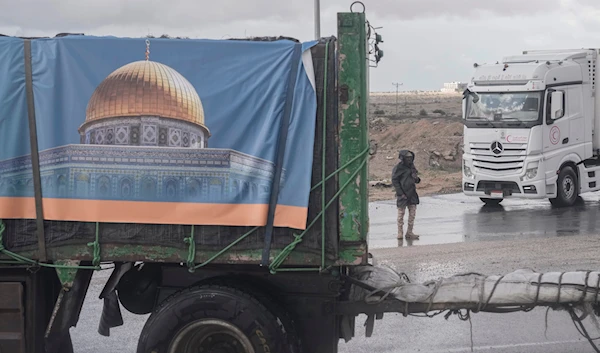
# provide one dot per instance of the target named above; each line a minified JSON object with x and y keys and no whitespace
{"x":497,"y":194}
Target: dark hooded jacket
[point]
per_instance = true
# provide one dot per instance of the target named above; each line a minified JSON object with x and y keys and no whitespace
{"x":404,"y":178}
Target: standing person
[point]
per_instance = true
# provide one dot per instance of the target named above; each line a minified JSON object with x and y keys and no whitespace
{"x":404,"y":178}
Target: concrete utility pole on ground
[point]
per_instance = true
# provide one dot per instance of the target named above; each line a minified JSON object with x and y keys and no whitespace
{"x":397,"y":85}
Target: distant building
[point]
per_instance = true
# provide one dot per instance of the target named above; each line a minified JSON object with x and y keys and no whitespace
{"x":451,"y":87}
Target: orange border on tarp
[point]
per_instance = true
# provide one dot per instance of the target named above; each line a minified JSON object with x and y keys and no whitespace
{"x":153,"y":212}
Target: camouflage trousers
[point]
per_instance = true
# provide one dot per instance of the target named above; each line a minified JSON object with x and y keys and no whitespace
{"x":412,"y":210}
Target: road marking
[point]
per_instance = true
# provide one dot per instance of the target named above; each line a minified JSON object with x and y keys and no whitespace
{"x":503,"y":346}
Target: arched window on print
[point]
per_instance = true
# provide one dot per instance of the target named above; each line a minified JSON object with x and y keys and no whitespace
{"x":103,"y":186}
{"x":62,"y":186}
{"x":82,"y":184}
{"x":170,"y":189}
{"x":215,"y":189}
{"x":148,"y":189}
{"x":126,"y":191}
{"x":194,"y":190}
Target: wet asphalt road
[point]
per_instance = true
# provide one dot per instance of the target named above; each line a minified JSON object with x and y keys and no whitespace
{"x":457,"y":218}
{"x":473,"y":238}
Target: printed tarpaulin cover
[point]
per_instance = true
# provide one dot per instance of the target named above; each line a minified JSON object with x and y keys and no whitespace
{"x":158,"y":131}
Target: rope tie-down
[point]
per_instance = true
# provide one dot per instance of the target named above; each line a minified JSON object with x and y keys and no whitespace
{"x":19,"y":259}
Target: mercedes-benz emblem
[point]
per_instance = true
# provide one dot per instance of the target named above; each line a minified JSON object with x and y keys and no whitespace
{"x":497,"y":147}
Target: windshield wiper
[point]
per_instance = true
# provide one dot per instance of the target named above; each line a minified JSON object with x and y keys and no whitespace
{"x":480,"y":121}
{"x":515,"y":122}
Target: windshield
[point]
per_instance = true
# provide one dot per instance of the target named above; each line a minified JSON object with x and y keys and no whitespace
{"x":504,"y":106}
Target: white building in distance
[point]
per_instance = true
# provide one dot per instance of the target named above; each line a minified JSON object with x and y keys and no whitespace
{"x":452,"y":87}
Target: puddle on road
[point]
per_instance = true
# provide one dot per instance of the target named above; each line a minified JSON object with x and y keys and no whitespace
{"x":456,"y":218}
{"x":392,"y":242}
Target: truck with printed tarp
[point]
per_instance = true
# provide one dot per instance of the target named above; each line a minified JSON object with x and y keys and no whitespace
{"x":224,"y":185}
{"x":231,"y":173}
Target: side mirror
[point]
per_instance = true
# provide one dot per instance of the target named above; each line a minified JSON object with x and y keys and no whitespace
{"x":557,"y":108}
{"x":466,"y":93}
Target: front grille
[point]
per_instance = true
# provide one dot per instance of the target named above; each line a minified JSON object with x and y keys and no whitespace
{"x":508,"y":187}
{"x":510,"y":160}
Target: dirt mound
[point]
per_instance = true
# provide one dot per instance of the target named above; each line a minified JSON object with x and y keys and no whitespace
{"x":436,"y":141}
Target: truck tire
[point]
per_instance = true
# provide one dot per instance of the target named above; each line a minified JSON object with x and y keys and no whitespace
{"x":293,"y":342}
{"x":491,"y":202}
{"x":213,"y":318}
{"x":567,"y":188}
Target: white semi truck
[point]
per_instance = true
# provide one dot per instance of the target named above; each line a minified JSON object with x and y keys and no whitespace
{"x":532,"y":127}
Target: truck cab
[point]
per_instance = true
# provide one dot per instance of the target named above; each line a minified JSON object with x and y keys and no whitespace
{"x":530,"y":128}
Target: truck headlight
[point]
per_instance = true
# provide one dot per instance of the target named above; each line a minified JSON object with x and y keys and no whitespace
{"x":467,"y":171}
{"x":531,"y":173}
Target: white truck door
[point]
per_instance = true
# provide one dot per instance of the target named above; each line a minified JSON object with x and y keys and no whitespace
{"x":557,"y":122}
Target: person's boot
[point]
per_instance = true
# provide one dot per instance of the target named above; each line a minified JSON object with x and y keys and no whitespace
{"x":410,"y":234}
{"x":400,"y":224}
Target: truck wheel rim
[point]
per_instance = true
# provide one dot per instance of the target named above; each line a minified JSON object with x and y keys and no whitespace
{"x":568,"y":187}
{"x":210,"y":336}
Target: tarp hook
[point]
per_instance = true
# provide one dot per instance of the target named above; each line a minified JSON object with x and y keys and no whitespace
{"x":357,"y":2}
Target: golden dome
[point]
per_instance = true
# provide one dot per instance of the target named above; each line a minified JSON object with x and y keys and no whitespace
{"x":145,"y":88}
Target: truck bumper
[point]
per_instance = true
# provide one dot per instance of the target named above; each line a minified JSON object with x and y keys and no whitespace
{"x":488,"y":186}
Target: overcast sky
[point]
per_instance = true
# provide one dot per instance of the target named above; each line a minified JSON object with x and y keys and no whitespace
{"x":426,"y":42}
